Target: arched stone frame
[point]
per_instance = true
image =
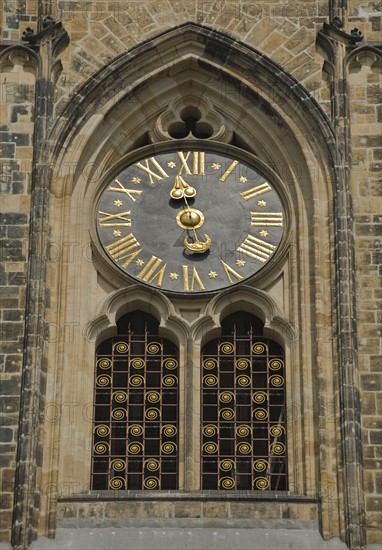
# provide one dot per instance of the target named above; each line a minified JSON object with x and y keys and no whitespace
{"x":268,"y":124}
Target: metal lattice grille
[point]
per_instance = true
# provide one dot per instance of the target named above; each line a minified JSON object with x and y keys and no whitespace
{"x":135,"y":437}
{"x":243,"y":414}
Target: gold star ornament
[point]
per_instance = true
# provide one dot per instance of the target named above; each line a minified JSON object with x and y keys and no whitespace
{"x":212,"y":274}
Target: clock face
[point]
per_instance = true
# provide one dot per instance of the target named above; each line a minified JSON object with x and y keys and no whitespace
{"x":190,"y":222}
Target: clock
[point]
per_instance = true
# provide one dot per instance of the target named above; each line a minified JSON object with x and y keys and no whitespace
{"x":190,"y":221}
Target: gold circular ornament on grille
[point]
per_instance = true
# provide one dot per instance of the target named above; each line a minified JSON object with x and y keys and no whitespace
{"x":243,"y":364}
{"x":137,"y":380}
{"x":226,"y":397}
{"x":278,"y":448}
{"x":227,"y":414}
{"x":137,"y":363}
{"x":259,"y":348}
{"x":276,"y":381}
{"x":169,"y":380}
{"x":277,"y":430}
{"x":119,"y":414}
{"x":135,"y":448}
{"x":152,"y":414}
{"x":260,"y":465}
{"x":104,"y":363}
{"x":260,"y":414}
{"x":227,"y":482}
{"x":227,"y":348}
{"x":243,"y":380}
{"x":102,"y":430}
{"x":226,"y":465}
{"x":170,"y":364}
{"x":121,"y":347}
{"x":244,"y":448}
{"x":153,"y":396}
{"x":118,"y":465}
{"x":103,"y":380}
{"x":168,"y":448}
{"x":169,"y":430}
{"x":101,"y":448}
{"x":151,"y":483}
{"x":210,"y":430}
{"x":261,"y":483}
{"x":117,"y":483}
{"x":259,"y":397}
{"x":210,"y":380}
{"x":276,"y":364}
{"x":152,"y":464}
{"x":210,"y":364}
{"x":120,"y":396}
{"x":243,"y":430}
{"x":153,"y":348}
{"x":136,"y":430}
{"x":210,"y":448}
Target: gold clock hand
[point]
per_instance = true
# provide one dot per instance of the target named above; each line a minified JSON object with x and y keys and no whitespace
{"x":181,"y":189}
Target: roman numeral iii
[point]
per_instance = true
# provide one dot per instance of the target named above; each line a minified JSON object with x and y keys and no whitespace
{"x":268,"y":219}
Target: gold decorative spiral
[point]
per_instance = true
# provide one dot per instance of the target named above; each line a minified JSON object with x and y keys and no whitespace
{"x":243,"y":430}
{"x":278,"y":448}
{"x":154,"y":347}
{"x":259,"y":397}
{"x":104,"y":363}
{"x":210,"y":380}
{"x":103,"y":380}
{"x":137,"y":380}
{"x":276,"y":364}
{"x":117,"y":483}
{"x":118,"y":465}
{"x":277,"y":430}
{"x":244,"y":448}
{"x":152,"y":464}
{"x":243,"y":380}
{"x":137,"y":363}
{"x":227,"y":482}
{"x":259,"y":348}
{"x":136,"y":430}
{"x":210,"y":364}
{"x":169,"y":430}
{"x":152,"y":414}
{"x":243,"y":364}
{"x":261,"y":483}
{"x":226,"y":397}
{"x":170,"y":364}
{"x":151,"y":483}
{"x":260,"y":414}
{"x":120,"y":396}
{"x":101,"y":448}
{"x":153,"y":396}
{"x":119,"y":414}
{"x":102,"y":430}
{"x":276,"y":381}
{"x":226,"y":348}
{"x":135,"y":448}
{"x":121,"y":347}
{"x":210,"y":430}
{"x":168,"y":448}
{"x":169,"y":380}
{"x":227,"y":414}
{"x":226,"y":465}
{"x":260,"y":465}
{"x":210,"y":448}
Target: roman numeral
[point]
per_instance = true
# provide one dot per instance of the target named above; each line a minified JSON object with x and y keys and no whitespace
{"x":197,"y":167}
{"x":256,"y":248}
{"x":256,"y":191}
{"x":269,"y":219}
{"x":151,"y":271}
{"x":189,"y":285}
{"x":229,"y":271}
{"x":230,"y":169}
{"x":106,"y":221}
{"x":129,"y":192}
{"x":123,"y":247}
{"x":154,"y":170}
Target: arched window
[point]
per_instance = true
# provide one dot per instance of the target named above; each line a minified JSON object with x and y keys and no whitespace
{"x":135,"y":433}
{"x":243,"y":409}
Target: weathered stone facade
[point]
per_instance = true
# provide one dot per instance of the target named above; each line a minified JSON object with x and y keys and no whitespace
{"x":298,"y":85}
